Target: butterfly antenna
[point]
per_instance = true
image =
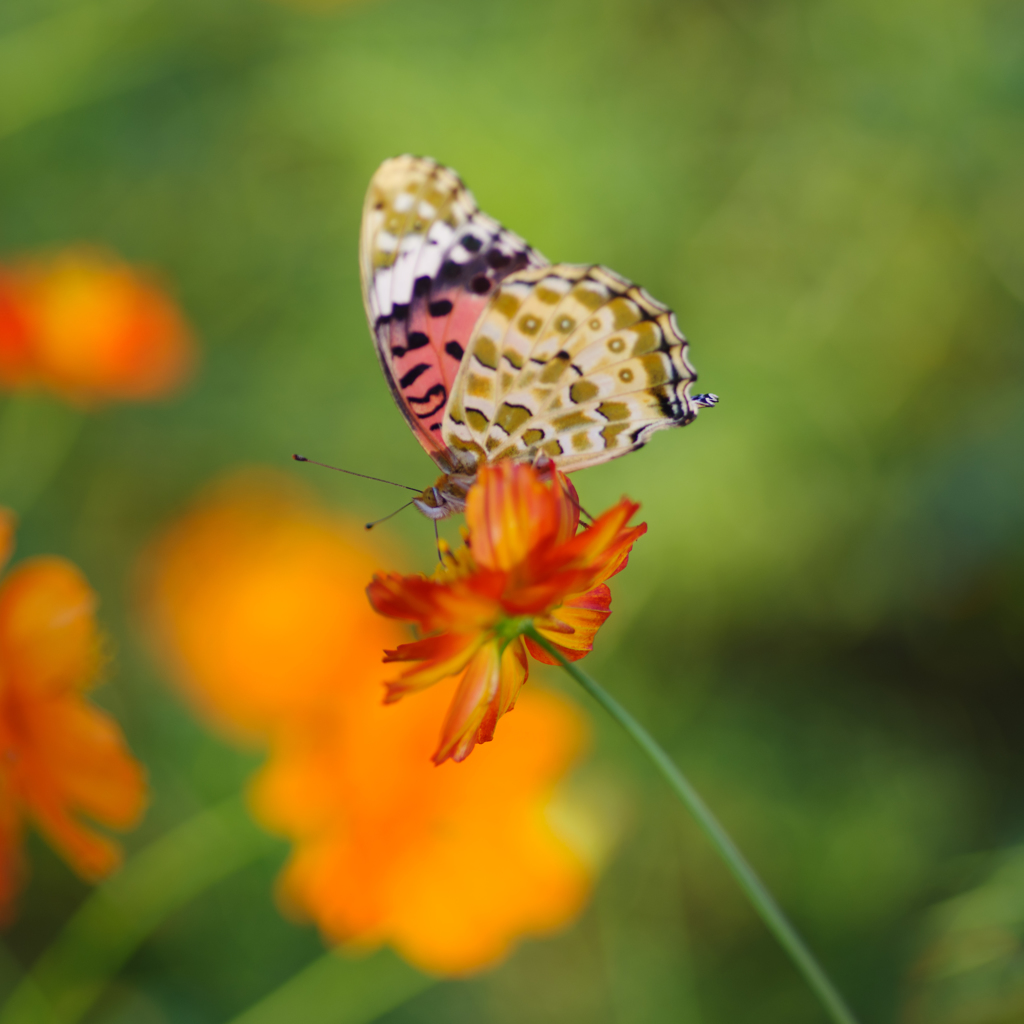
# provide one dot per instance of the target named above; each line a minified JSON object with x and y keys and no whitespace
{"x":338,"y":469}
{"x":382,"y":519}
{"x":574,"y":498}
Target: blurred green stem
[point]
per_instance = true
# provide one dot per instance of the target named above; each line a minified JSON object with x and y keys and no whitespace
{"x":37,"y":433}
{"x":335,"y":990}
{"x":762,"y":900}
{"x":112,"y":923}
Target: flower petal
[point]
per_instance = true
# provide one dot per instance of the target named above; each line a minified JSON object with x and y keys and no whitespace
{"x":487,"y":690}
{"x":8,"y":520}
{"x":513,"y":510}
{"x":62,"y":757}
{"x":573,"y":625}
{"x":11,"y":864}
{"x":435,"y":606}
{"x":75,"y":762}
{"x":96,"y":328}
{"x":439,"y":658}
{"x":48,"y":636}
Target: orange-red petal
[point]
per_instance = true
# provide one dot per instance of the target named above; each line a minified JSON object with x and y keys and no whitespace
{"x":95,"y":328}
{"x":573,"y":625}
{"x":8,"y":521}
{"x":63,"y":758}
{"x":438,"y":657}
{"x":11,"y":864}
{"x":48,"y":636}
{"x":513,"y":510}
{"x":461,"y":604}
{"x":486,"y":691}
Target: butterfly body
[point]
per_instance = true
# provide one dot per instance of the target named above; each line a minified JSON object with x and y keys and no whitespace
{"x":491,"y":352}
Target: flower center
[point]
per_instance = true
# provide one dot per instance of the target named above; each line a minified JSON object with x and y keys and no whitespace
{"x":508,"y":629}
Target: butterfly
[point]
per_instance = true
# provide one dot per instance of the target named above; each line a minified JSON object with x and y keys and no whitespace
{"x":491,"y":352}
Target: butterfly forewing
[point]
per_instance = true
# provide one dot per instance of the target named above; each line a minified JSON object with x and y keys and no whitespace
{"x":572,"y":361}
{"x":430,"y":263}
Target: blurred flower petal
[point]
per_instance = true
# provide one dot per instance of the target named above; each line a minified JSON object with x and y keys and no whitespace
{"x":61,"y":758}
{"x":91,"y":328}
{"x":250,"y":596}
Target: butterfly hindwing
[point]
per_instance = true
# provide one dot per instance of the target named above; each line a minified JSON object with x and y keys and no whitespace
{"x":430,"y":262}
{"x":572,"y":361}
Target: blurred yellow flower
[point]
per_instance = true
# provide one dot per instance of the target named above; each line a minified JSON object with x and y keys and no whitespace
{"x":524,"y":564}
{"x":90,"y":328}
{"x":60,"y":756}
{"x":256,"y":596}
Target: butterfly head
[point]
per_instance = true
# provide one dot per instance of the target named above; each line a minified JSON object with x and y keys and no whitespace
{"x":446,"y":497}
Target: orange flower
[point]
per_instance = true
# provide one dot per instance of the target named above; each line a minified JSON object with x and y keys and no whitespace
{"x":60,"y":756}
{"x":251,"y":600}
{"x":524,"y":565}
{"x":91,"y":328}
{"x":391,"y":849}
{"x":256,"y":595}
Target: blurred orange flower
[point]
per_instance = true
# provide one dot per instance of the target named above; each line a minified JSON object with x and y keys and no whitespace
{"x":60,"y":756}
{"x":91,"y":328}
{"x":524,"y":564}
{"x":256,"y":596}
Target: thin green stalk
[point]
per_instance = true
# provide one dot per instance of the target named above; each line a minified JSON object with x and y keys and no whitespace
{"x":112,"y":923}
{"x":762,"y":900}
{"x":337,"y":990}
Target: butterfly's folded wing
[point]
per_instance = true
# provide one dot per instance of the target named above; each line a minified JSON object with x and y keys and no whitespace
{"x":430,"y":262}
{"x":572,"y":361}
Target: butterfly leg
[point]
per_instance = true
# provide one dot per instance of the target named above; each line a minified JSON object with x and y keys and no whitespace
{"x":437,"y":543}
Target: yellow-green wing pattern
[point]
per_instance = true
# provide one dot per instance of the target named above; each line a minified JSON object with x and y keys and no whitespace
{"x":573,"y":361}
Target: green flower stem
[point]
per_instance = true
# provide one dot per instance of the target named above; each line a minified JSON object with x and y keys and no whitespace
{"x":337,"y":990}
{"x":763,"y":901}
{"x":113,"y":922}
{"x":37,"y":433}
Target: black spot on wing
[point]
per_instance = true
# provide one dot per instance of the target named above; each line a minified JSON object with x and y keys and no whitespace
{"x":413,"y":375}
{"x":417,"y":339}
{"x":455,"y":350}
{"x":442,"y":307}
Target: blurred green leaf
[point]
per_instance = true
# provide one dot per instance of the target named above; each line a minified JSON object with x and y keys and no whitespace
{"x":117,"y":917}
{"x":37,"y":433}
{"x":972,"y":969}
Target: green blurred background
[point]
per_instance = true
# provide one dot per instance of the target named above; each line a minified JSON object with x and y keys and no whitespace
{"x":824,"y":623}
